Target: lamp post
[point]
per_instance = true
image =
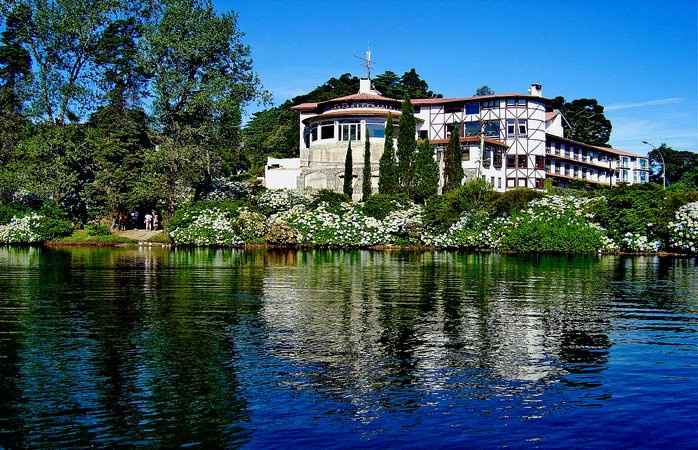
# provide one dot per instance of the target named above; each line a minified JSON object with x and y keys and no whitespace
{"x":654,"y":147}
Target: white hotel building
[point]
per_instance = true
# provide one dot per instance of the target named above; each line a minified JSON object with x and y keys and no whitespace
{"x":510,"y":140}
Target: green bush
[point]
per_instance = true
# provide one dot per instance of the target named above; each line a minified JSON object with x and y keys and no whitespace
{"x":334,"y":200}
{"x":379,"y":206}
{"x":515,"y":200}
{"x":185,"y":214}
{"x":551,"y":235}
{"x":10,"y":210}
{"x":97,"y":229}
{"x":475,"y":196}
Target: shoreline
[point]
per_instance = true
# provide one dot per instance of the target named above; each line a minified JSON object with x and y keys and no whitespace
{"x":376,"y":248}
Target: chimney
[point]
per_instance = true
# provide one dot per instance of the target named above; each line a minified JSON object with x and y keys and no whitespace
{"x":365,"y":86}
{"x":536,"y":90}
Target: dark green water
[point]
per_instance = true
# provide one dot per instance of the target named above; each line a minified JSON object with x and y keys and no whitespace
{"x":345,"y":349}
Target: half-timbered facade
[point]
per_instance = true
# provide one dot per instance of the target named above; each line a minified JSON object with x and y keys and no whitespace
{"x":511,"y":140}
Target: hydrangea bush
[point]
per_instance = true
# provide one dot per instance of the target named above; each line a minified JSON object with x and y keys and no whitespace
{"x":684,"y":228}
{"x":22,"y":230}
{"x":275,"y":201}
{"x":211,"y":226}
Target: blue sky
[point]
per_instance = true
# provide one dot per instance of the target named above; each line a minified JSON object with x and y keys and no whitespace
{"x":638,"y":58}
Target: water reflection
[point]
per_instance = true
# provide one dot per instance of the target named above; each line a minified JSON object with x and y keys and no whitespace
{"x":276,"y":348}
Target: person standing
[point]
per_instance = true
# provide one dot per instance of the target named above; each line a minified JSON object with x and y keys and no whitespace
{"x":155,"y":220}
{"x":134,"y":218}
{"x":148,"y":222}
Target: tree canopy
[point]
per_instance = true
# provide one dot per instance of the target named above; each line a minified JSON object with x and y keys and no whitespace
{"x":586,"y":121}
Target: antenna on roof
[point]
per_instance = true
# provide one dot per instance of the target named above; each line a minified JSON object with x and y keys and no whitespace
{"x":366,"y":61}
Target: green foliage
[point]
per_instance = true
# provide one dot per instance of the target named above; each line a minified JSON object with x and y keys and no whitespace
{"x":333,"y":200}
{"x":453,"y":166}
{"x":387,"y":167}
{"x":483,"y":90}
{"x":473,"y":196}
{"x":97,"y":230}
{"x":186,"y":214}
{"x":406,"y":145}
{"x":551,"y":235}
{"x":587,"y":122}
{"x":10,"y":210}
{"x":644,"y":209}
{"x":426,"y":173}
{"x":348,"y":187}
{"x":367,"y":174}
{"x":84,"y":237}
{"x":410,"y":84}
{"x":379,"y":206}
{"x":679,"y":164}
{"x":507,"y":203}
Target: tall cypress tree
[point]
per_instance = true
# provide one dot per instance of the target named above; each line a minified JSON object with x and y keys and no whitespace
{"x":453,"y":170}
{"x":366,"y":178}
{"x":348,"y":173}
{"x":387,"y":167}
{"x":426,"y":172}
{"x":406,"y":145}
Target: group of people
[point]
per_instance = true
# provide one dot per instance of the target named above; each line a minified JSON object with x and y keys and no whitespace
{"x":151,"y":220}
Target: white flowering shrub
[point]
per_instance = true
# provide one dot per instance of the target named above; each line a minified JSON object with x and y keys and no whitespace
{"x":684,"y":228}
{"x":275,"y":201}
{"x":225,"y":189}
{"x":211,"y":226}
{"x":636,"y":242}
{"x":404,"y":226}
{"x":351,"y":228}
{"x":473,"y":230}
{"x":22,"y":230}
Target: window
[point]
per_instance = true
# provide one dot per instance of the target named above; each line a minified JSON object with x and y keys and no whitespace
{"x":313,"y":133}
{"x":540,"y":162}
{"x":423,"y":134}
{"x":349,"y":131}
{"x":511,"y":102}
{"x":487,"y":159}
{"x":575,"y":170}
{"x":492,"y":128}
{"x":521,"y":102}
{"x":466,"y":153}
{"x":489,"y":104}
{"x":449,"y":129}
{"x":567,"y":151}
{"x":497,"y":158}
{"x":327,"y":130}
{"x":523,"y":127}
{"x":567,"y":170}
{"x":511,"y":161}
{"x":557,"y":148}
{"x":643,"y":164}
{"x":523,"y":161}
{"x":417,"y":109}
{"x":453,"y":108}
{"x":511,"y":127}
{"x":499,"y":182}
{"x":492,"y":181}
{"x":540,"y":183}
{"x":472,"y":108}
{"x":522,"y":182}
{"x":471,"y":128}
{"x":511,"y":182}
{"x":375,"y":128}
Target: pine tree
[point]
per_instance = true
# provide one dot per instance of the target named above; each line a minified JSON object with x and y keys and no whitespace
{"x":366,"y":182}
{"x":426,"y":172}
{"x":406,"y":147}
{"x":453,"y":170}
{"x":387,"y":168}
{"x":348,"y":173}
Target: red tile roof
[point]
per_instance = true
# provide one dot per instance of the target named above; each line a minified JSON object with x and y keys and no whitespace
{"x":353,"y":113}
{"x":551,"y":115}
{"x":437,"y":101}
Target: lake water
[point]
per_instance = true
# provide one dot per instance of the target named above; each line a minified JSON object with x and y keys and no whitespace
{"x":214,"y":348}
